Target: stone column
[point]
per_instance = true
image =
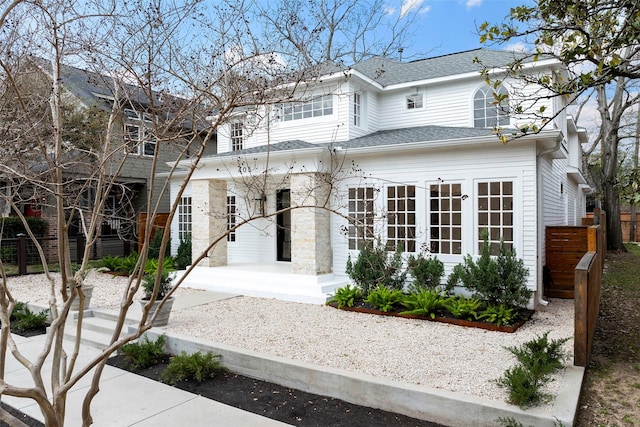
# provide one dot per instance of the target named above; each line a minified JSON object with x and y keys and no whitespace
{"x":310,"y":227}
{"x":209,"y":216}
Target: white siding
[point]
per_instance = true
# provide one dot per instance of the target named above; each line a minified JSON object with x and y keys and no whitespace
{"x":510,"y":162}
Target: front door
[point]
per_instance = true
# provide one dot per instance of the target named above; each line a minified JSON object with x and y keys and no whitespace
{"x":283,"y":221}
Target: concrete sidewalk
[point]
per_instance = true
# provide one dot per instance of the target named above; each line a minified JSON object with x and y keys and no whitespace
{"x":126,"y":399}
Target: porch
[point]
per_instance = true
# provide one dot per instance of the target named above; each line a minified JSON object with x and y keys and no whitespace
{"x":266,"y":280}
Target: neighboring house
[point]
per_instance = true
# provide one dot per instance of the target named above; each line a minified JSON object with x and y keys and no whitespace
{"x":406,"y":149}
{"x":89,"y":98}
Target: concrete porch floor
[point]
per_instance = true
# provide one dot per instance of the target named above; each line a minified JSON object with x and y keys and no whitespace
{"x":267,"y":280}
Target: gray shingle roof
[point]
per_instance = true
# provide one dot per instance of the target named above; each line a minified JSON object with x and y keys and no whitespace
{"x":388,"y":72}
{"x":377,"y":139}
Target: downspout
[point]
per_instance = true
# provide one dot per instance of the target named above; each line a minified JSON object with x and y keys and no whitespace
{"x":540,"y":200}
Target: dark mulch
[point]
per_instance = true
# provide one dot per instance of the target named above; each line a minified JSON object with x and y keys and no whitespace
{"x":22,"y":417}
{"x":284,"y":404}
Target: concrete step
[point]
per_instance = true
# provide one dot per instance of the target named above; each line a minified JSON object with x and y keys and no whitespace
{"x":89,"y":338}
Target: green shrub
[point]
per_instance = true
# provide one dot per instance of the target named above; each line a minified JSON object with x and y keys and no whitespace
{"x":129,"y":263}
{"x":25,"y":320}
{"x":498,"y":281}
{"x":524,"y":387}
{"x":196,"y":366}
{"x":183,"y":256}
{"x":537,"y":360}
{"x":462,"y":307}
{"x":384,"y":299}
{"x":424,"y":303}
{"x":113,"y":263}
{"x":152,"y":265}
{"x":145,"y":353}
{"x":155,"y":243}
{"x":374,"y":266}
{"x":11,"y":226}
{"x":499,"y":314}
{"x":541,"y":356}
{"x":148,"y":283}
{"x":427,"y":272}
{"x":346,"y":296}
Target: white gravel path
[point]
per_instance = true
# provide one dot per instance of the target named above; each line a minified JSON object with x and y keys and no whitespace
{"x":449,"y":357}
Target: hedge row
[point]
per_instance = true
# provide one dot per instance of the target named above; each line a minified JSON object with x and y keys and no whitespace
{"x":11,"y":226}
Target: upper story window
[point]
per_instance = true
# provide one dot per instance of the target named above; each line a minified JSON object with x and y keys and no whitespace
{"x":316,"y":107}
{"x":237,"y":136}
{"x":138,"y":141}
{"x":414,"y":101}
{"x":487,"y":110}
{"x":357,"y":109}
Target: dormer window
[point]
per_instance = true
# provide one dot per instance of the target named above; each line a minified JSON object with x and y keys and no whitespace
{"x":414,"y":101}
{"x":488,"y":110}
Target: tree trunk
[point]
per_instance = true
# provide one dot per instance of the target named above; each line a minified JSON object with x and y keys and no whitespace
{"x":612,"y":208}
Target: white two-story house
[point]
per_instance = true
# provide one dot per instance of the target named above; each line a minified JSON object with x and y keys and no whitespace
{"x":402,"y":152}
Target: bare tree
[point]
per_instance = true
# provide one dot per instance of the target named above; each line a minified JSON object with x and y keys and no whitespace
{"x":185,"y":69}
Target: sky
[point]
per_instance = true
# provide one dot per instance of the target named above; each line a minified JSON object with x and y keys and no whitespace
{"x":448,"y":26}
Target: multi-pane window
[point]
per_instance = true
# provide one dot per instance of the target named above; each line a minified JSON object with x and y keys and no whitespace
{"x":495,"y":213}
{"x":401,"y":217}
{"x":138,"y":141}
{"x":414,"y":101}
{"x":488,"y":111}
{"x":361,"y":213}
{"x":237,"y":136}
{"x":445,"y":235}
{"x":316,"y":107}
{"x":184,"y":217}
{"x":231,"y":217}
{"x":357,"y":109}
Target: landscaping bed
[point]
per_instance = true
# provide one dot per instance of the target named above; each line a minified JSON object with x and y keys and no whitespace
{"x":369,"y":309}
{"x":277,"y":402}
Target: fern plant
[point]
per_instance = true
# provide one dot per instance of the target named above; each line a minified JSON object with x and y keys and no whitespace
{"x":462,"y":307}
{"x":499,"y":314}
{"x":384,"y":299}
{"x":424,"y":303}
{"x":346,"y":296}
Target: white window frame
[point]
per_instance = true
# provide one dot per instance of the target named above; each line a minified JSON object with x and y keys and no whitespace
{"x":357,"y":109}
{"x":486,"y":113}
{"x":318,"y":106}
{"x":237,"y":136}
{"x":497,"y":207}
{"x":232,"y":210}
{"x":401,"y":207}
{"x":185,"y":219}
{"x":361,"y":208}
{"x":414,"y":101}
{"x":446,"y":217}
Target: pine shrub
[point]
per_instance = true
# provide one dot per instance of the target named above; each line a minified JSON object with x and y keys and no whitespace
{"x":183,"y":256}
{"x":427,"y":272}
{"x":374,"y":266}
{"x":143,"y":354}
{"x":196,"y":366}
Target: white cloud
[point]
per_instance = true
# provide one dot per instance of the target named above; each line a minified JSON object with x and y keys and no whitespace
{"x":424,"y":10}
{"x":516,"y":47}
{"x":409,"y":6}
{"x":389,"y":10}
{"x":473,"y":3}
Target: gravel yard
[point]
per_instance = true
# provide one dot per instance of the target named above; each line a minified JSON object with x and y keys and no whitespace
{"x":450,"y":357}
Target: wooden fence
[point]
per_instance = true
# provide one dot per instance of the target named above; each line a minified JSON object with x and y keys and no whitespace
{"x":625,"y":222}
{"x":588,"y":282}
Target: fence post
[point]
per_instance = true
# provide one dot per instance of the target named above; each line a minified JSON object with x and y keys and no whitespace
{"x":79,"y":247}
{"x":22,"y":254}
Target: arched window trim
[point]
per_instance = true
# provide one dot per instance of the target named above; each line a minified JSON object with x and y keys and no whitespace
{"x":486,"y":114}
